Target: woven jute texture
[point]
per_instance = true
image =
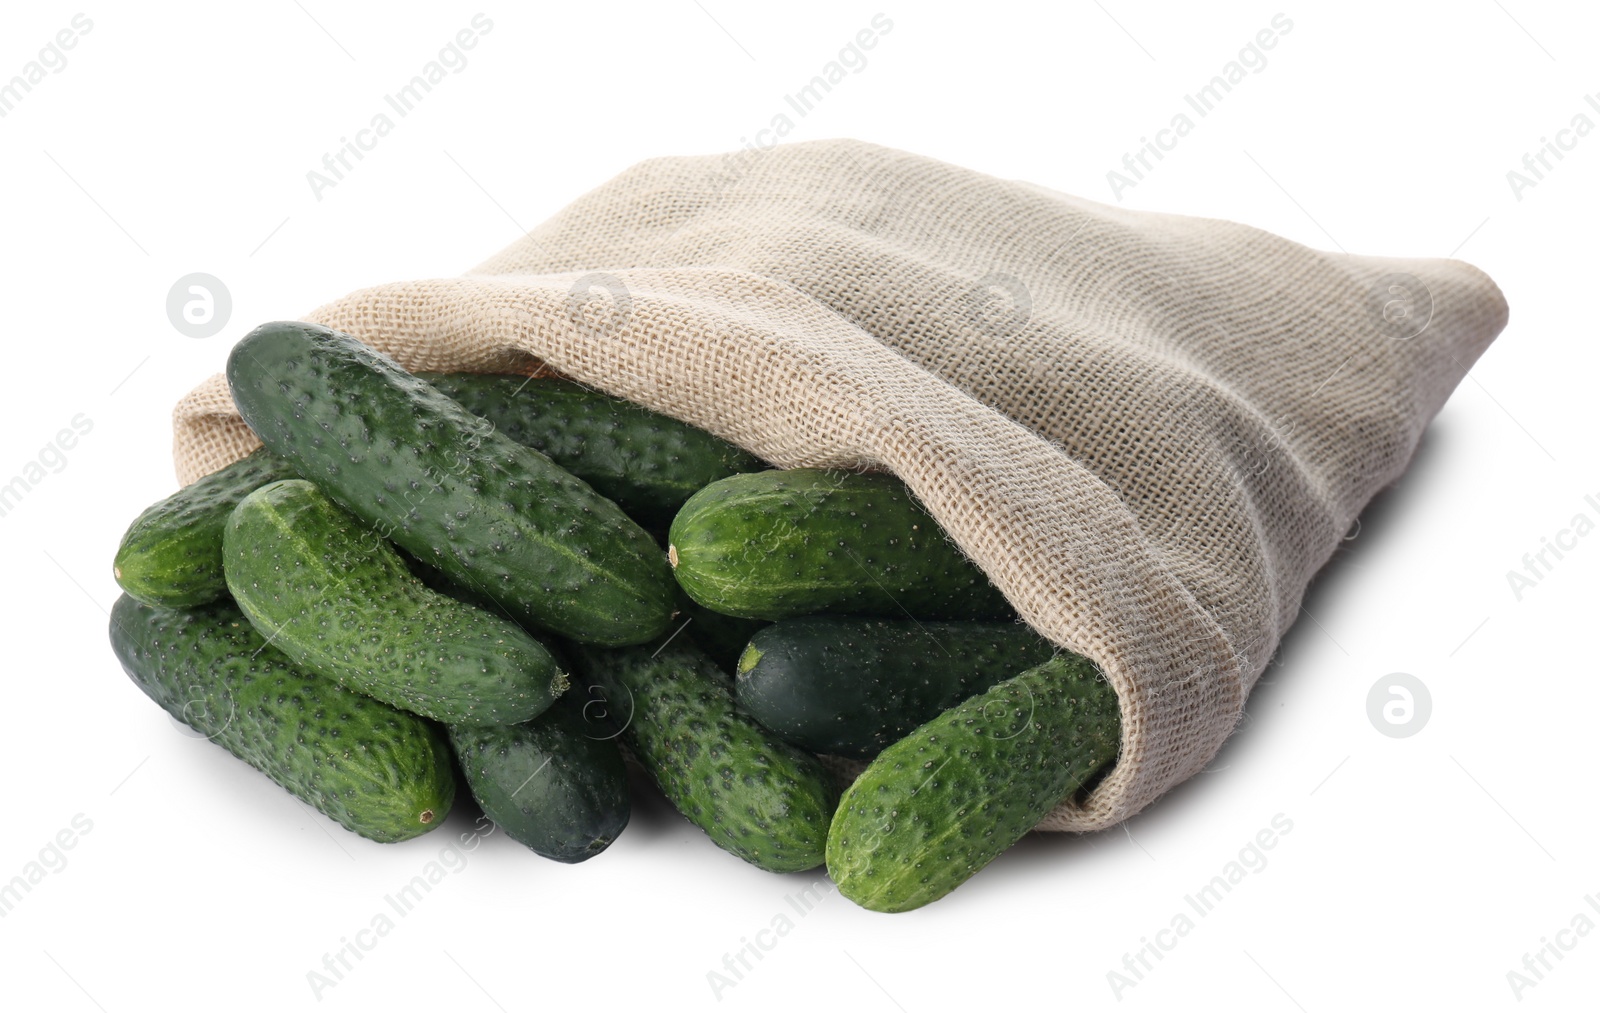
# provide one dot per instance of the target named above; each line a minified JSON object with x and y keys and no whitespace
{"x":1149,"y":430}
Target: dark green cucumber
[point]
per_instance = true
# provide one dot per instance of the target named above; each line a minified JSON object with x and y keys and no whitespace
{"x":647,"y":463}
{"x":171,"y":554}
{"x":445,"y":486}
{"x":377,"y":771}
{"x":551,"y":783}
{"x":338,"y":600}
{"x":755,"y":795}
{"x":941,"y":803}
{"x":778,"y":544}
{"x":850,"y":687}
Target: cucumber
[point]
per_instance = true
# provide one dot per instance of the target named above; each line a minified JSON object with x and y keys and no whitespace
{"x":941,"y":803}
{"x":755,"y":795}
{"x":448,"y":488}
{"x":548,"y":783}
{"x":171,"y":554}
{"x":850,"y":687}
{"x":646,"y":463}
{"x":337,"y":600}
{"x":377,"y":771}
{"x":779,"y":544}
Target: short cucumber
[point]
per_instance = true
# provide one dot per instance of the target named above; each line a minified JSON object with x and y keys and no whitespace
{"x":380,"y":772}
{"x":171,"y":554}
{"x":551,"y":784}
{"x":755,"y":795}
{"x":779,"y":544}
{"x":647,"y":463}
{"x":850,"y":687}
{"x":338,"y":600}
{"x":445,"y":486}
{"x":941,"y":803}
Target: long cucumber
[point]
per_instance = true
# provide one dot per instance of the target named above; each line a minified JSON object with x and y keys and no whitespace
{"x":378,"y":771}
{"x":338,"y":600}
{"x":444,"y":485}
{"x":645,"y":462}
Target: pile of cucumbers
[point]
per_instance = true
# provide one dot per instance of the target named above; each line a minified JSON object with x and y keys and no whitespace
{"x":423,"y":581}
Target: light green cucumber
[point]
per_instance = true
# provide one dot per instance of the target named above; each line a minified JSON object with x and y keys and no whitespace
{"x":171,"y":554}
{"x":448,"y":488}
{"x":338,"y":599}
{"x":944,"y":801}
{"x":780,"y":544}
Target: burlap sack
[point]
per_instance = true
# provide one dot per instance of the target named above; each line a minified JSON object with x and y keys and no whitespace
{"x":1149,"y":430}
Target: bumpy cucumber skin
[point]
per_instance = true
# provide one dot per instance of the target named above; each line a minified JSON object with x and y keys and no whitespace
{"x":940,"y":804}
{"x":448,"y":488}
{"x":646,"y":463}
{"x":779,"y":544}
{"x":171,"y":554}
{"x":851,"y":687}
{"x":552,"y":784}
{"x":338,"y":600}
{"x":379,"y":772}
{"x":753,"y":794}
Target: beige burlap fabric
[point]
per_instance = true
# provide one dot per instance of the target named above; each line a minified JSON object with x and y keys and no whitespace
{"x":1149,"y":430}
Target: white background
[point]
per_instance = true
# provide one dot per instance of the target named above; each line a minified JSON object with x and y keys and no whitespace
{"x":1419,"y":870}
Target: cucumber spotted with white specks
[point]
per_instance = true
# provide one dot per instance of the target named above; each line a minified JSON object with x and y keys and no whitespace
{"x":944,"y":801}
{"x":752,"y":793}
{"x":378,"y":771}
{"x":448,"y":488}
{"x":779,"y":544}
{"x":171,"y":555}
{"x":645,"y":462}
{"x":337,"y":599}
{"x":851,"y":687}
